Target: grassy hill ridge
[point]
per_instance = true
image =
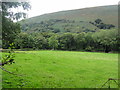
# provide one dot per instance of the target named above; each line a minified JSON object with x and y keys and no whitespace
{"x":81,"y":18}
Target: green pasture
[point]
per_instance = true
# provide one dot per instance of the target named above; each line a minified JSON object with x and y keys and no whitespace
{"x":61,"y":69}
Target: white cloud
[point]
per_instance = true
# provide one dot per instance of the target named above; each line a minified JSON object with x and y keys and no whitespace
{"x":48,"y":6}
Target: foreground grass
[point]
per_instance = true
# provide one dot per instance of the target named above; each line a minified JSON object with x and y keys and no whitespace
{"x":61,"y":69}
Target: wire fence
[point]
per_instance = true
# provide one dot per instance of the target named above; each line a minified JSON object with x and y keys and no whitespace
{"x":109,"y":83}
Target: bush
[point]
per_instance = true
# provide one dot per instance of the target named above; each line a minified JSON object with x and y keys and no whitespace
{"x":89,"y":48}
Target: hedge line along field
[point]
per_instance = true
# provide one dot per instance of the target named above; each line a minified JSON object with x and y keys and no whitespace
{"x":61,"y":69}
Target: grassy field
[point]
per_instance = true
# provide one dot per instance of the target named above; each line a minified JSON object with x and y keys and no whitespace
{"x":61,"y":69}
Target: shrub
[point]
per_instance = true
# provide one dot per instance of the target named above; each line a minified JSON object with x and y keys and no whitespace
{"x":89,"y":48}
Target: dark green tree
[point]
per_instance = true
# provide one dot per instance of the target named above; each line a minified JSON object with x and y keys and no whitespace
{"x":10,"y":29}
{"x":53,"y":42}
{"x":66,"y":42}
{"x":9,"y":32}
{"x":80,"y":41}
{"x":98,"y":21}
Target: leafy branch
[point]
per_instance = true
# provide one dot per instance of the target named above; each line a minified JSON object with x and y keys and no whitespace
{"x":9,"y":58}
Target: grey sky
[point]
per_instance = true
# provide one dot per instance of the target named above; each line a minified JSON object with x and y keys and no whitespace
{"x":40,"y":7}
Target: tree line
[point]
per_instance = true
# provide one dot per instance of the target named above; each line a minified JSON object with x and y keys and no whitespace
{"x":102,"y":40}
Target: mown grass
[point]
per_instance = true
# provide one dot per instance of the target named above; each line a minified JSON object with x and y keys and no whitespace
{"x":61,"y":69}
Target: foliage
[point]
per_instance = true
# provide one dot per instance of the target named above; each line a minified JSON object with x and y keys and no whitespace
{"x":98,"y":23}
{"x":53,"y":42}
{"x":88,"y":48}
{"x":8,"y":58}
{"x":80,"y":41}
{"x":102,"y":40}
{"x":66,"y":41}
{"x":10,"y":29}
{"x":25,"y":40}
{"x":9,"y":32}
{"x":9,"y":13}
{"x":64,"y":26}
{"x":107,"y":39}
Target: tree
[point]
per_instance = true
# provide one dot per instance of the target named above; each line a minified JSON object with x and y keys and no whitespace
{"x":9,"y":58}
{"x":9,"y":13}
{"x":11,"y":29}
{"x":53,"y":42}
{"x":101,"y":25}
{"x":9,"y":32}
{"x":98,"y":21}
{"x":39,"y":42}
{"x":80,"y":41}
{"x":66,"y":41}
{"x":22,"y":41}
{"x":106,"y":40}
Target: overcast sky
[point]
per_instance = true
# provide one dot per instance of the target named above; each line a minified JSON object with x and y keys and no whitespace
{"x":40,"y":7}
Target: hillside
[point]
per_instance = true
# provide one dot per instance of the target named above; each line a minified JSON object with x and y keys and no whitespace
{"x":72,"y":20}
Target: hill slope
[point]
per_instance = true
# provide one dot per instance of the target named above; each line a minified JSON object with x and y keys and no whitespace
{"x":72,"y":20}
